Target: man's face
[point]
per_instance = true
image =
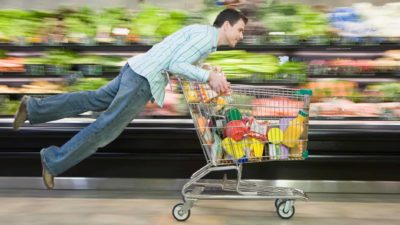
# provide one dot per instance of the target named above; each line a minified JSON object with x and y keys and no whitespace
{"x":234,"y":33}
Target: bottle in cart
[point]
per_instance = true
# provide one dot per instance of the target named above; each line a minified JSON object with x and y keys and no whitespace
{"x":296,"y":127}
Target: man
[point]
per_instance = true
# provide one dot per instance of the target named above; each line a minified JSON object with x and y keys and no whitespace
{"x":122,"y":99}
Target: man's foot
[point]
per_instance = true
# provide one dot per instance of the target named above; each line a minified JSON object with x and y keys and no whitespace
{"x":48,"y":179}
{"x":22,"y":114}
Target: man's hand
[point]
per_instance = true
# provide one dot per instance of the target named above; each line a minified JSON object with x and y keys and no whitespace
{"x":218,"y":82}
{"x":217,"y":69}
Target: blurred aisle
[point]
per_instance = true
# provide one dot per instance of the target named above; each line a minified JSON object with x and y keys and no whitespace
{"x":73,"y":207}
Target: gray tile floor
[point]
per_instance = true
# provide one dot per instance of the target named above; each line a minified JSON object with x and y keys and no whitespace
{"x":75,"y":207}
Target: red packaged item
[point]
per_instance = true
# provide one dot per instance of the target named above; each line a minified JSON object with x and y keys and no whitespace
{"x":257,"y":129}
{"x":235,"y":129}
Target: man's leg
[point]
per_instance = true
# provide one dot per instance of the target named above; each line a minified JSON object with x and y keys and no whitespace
{"x":133,"y":94}
{"x":72,"y":104}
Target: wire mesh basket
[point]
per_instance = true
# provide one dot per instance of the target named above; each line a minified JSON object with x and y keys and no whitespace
{"x":250,"y":123}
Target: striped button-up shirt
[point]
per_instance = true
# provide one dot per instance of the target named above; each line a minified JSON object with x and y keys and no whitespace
{"x":177,"y":54}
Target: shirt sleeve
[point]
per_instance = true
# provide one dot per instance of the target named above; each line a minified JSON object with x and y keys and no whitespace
{"x":190,"y":52}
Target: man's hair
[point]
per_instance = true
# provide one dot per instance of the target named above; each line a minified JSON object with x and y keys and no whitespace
{"x":230,"y":15}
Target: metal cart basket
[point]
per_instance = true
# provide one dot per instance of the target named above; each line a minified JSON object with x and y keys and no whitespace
{"x":251,"y":124}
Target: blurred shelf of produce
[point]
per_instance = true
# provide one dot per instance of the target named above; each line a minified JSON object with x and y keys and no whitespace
{"x":270,"y":22}
{"x":349,"y":57}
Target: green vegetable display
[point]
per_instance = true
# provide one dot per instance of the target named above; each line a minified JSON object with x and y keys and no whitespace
{"x":295,"y":19}
{"x":8,"y":107}
{"x":154,"y":22}
{"x":87,"y":84}
{"x":239,"y":64}
{"x":391,"y":91}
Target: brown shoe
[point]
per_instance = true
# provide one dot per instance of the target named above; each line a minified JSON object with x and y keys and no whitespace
{"x":22,"y":114}
{"x":48,"y":179}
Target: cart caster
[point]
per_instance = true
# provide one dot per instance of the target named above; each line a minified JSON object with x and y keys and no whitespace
{"x":179,"y":214}
{"x":278,"y":201}
{"x":285,"y":214}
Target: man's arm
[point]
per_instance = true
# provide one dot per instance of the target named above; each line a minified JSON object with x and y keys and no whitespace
{"x":190,"y":52}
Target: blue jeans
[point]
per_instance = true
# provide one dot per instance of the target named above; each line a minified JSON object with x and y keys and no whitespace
{"x":123,"y":99}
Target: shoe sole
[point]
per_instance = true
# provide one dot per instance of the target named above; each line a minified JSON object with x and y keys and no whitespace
{"x":48,"y":186}
{"x":19,"y":119}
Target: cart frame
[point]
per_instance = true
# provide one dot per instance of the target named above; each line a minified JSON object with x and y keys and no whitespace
{"x":237,"y":189}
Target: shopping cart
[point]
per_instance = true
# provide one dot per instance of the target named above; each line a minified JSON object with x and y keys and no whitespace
{"x":251,"y":124}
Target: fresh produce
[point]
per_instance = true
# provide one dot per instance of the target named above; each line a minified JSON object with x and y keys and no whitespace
{"x":154,"y":23}
{"x":69,"y":61}
{"x":237,"y":64}
{"x":390,"y":91}
{"x":21,"y":26}
{"x":295,"y":19}
{"x":11,"y":64}
{"x":109,"y":21}
{"x":324,"y":89}
{"x":8,"y":107}
{"x":347,"y":108}
{"x":86,"y":84}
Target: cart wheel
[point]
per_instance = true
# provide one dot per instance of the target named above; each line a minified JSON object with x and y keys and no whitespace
{"x":278,"y":201}
{"x":178,"y":213}
{"x":284,"y":214}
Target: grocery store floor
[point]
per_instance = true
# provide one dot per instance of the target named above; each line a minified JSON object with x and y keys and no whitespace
{"x":89,"y":207}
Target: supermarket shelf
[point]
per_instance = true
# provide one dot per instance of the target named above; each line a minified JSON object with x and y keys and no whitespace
{"x":29,"y":76}
{"x":323,"y":49}
{"x":264,"y":83}
{"x":358,"y":79}
{"x":187,"y":122}
{"x":28,"y":93}
{"x":76,"y":47}
{"x":254,"y":48}
{"x":22,"y":80}
{"x":339,"y":53}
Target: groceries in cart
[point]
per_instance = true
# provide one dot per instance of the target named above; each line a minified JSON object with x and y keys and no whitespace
{"x":249,"y":124}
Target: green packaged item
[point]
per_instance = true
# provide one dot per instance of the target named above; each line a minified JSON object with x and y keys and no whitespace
{"x":233,"y":114}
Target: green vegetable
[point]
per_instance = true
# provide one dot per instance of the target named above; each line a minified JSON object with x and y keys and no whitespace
{"x":295,"y":19}
{"x":86,"y":84}
{"x":154,"y":22}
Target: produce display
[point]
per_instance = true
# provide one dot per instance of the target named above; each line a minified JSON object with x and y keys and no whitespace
{"x":58,"y":62}
{"x":343,"y":86}
{"x":270,"y":22}
{"x":153,"y":23}
{"x":257,"y":67}
{"x":11,"y":64}
{"x":364,"y":22}
{"x":34,"y":87}
{"x":86,"y":26}
{"x":172,"y":106}
{"x":389,"y":64}
{"x":297,"y":21}
{"x":347,"y":99}
{"x":344,"y":108}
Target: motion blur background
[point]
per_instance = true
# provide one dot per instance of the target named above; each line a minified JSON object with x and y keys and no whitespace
{"x":346,"y":51}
